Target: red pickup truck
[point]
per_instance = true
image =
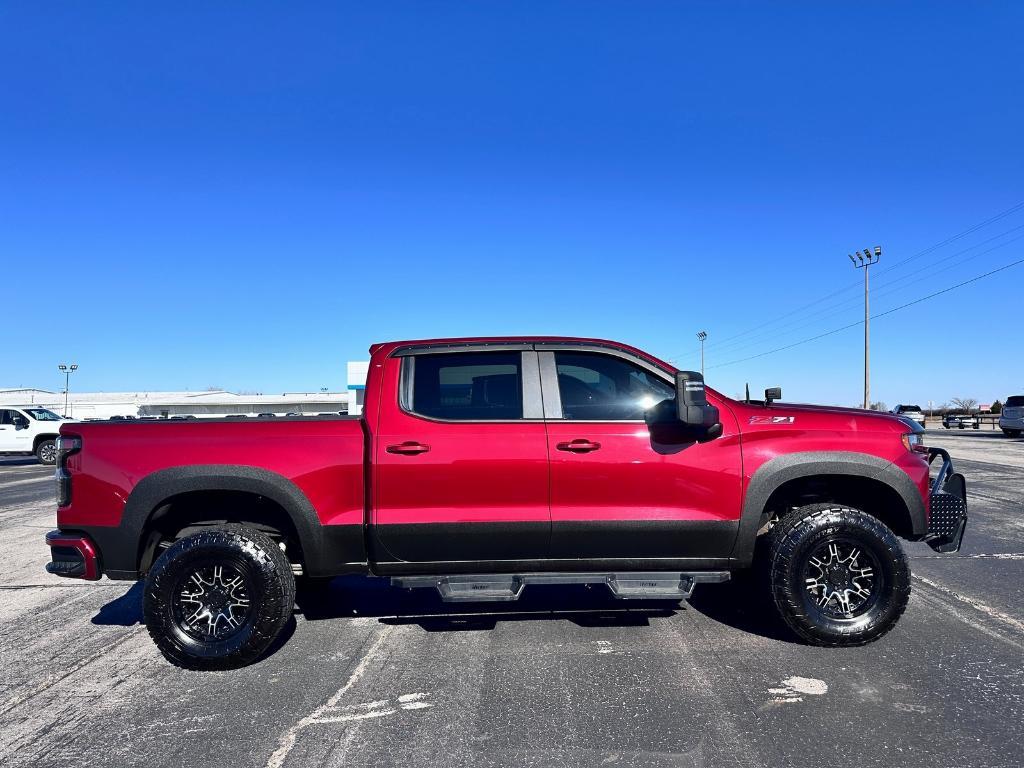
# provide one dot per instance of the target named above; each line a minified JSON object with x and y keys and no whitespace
{"x":483,"y":465}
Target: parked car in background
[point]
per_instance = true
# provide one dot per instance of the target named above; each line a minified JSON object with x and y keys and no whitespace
{"x":1011,"y":418}
{"x":960,"y":421}
{"x":30,"y":429}
{"x":912,"y":412}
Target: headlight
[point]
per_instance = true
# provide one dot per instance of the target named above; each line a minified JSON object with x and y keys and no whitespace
{"x":913,"y":442}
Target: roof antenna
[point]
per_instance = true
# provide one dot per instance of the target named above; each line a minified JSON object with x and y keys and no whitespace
{"x":747,"y":401}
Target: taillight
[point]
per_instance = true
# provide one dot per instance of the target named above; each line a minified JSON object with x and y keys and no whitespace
{"x":66,"y":445}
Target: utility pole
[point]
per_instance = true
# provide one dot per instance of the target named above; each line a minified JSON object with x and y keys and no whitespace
{"x":867,"y":258}
{"x":67,"y":370}
{"x":703,"y":335}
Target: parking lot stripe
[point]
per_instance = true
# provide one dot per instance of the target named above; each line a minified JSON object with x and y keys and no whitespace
{"x":287,"y":741}
{"x":977,"y":605}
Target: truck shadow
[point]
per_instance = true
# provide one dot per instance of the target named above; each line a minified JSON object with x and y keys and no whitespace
{"x":741,"y":606}
{"x":735,"y":604}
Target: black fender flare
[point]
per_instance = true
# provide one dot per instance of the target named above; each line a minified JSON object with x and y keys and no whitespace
{"x":326,"y":550}
{"x":774,"y":473}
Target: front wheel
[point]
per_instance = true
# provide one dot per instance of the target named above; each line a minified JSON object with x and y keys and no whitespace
{"x":217,"y":599}
{"x":838,"y":576}
{"x":1011,"y":432}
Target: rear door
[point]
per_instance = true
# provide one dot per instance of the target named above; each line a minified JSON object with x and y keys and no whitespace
{"x":460,"y":457}
{"x":616,"y":494}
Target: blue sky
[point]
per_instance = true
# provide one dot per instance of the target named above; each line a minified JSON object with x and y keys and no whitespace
{"x":246,"y":195}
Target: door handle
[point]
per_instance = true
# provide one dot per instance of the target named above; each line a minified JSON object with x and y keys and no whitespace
{"x":579,"y":445}
{"x":408,"y":448}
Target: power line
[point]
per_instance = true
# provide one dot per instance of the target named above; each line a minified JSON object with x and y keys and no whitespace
{"x":974,"y":228}
{"x":880,"y":314}
{"x":966,"y":232}
{"x":887,"y":289}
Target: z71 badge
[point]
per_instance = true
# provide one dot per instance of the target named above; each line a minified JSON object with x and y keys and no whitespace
{"x":772,"y":419}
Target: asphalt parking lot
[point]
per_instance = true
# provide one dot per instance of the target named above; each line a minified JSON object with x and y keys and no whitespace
{"x":375,"y":676}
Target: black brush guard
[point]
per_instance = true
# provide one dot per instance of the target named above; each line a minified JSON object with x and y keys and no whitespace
{"x":948,"y":518}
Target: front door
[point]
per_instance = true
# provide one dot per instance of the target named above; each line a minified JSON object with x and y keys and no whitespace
{"x":460,"y":462}
{"x":615,"y":492}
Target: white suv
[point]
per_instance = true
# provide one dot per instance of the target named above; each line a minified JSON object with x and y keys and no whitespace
{"x":1011,"y":418}
{"x":29,"y":429}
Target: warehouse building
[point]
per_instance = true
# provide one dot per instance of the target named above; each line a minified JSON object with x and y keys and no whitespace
{"x":104,"y":405}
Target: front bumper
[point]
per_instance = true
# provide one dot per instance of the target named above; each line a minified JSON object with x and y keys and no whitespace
{"x":1005,"y":423}
{"x":947,"y":519}
{"x":72,"y":556}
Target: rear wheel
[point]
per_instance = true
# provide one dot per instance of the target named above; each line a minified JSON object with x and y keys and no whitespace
{"x":1011,"y":432}
{"x":219,"y":598}
{"x":838,"y":576}
{"x":46,"y":451}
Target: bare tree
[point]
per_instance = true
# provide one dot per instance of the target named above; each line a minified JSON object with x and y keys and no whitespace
{"x":966,"y":404}
{"x":879,"y":406}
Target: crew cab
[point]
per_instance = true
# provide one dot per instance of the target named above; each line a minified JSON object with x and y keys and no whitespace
{"x":482,"y":466}
{"x":29,"y":429}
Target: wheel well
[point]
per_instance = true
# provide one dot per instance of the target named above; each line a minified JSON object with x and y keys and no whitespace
{"x":864,"y":493}
{"x":184,"y":514}
{"x":39,"y":438}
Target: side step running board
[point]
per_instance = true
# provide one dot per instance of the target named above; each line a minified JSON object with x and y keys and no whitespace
{"x":657,"y":585}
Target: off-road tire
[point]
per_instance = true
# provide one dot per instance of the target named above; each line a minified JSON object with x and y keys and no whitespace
{"x":792,"y":542}
{"x":46,"y":451}
{"x":270,"y":590}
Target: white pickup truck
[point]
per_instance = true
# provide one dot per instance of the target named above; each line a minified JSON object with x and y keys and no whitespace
{"x":29,"y":429}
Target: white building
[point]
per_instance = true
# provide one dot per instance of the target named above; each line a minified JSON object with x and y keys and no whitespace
{"x":103,"y":405}
{"x":357,"y":371}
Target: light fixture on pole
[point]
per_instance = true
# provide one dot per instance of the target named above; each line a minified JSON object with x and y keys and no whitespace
{"x":702,"y":335}
{"x":67,"y":370}
{"x":866,"y":259}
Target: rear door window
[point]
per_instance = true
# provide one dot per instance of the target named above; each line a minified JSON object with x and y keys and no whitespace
{"x":471,"y":386}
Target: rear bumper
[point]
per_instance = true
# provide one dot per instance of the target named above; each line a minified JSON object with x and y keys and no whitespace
{"x":947,"y":518}
{"x":72,"y":556}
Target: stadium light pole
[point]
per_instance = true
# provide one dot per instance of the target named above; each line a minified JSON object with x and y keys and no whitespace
{"x":702,"y":335}
{"x":866,"y":259}
{"x":67,"y":370}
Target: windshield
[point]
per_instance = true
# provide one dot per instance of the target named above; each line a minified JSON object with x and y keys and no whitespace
{"x":41,"y":414}
{"x":1015,"y":401}
{"x":909,"y":408}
